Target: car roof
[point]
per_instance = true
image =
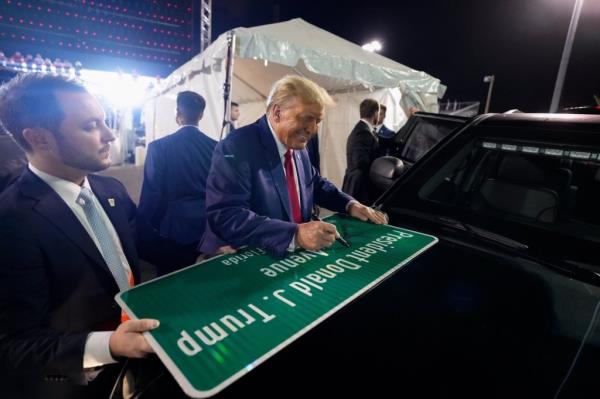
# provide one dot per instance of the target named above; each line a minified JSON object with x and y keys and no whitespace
{"x":576,"y":129}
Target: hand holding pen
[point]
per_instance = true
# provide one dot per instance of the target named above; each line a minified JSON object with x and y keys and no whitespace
{"x":317,"y":234}
{"x":338,"y":237}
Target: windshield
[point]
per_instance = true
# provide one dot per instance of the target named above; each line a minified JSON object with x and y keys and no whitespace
{"x":532,"y":192}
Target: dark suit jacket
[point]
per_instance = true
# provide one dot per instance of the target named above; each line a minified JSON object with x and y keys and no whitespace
{"x":55,"y":287}
{"x":312,"y":147}
{"x":173,"y":192}
{"x":247,"y":201}
{"x":361,"y":150}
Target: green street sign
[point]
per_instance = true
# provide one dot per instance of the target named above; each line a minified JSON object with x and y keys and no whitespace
{"x":221,"y":318}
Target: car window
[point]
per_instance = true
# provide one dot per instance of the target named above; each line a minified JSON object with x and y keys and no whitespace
{"x":535,"y":183}
{"x":425,"y":136}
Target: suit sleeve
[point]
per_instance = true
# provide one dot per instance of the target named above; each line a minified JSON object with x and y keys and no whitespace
{"x":228,"y":205}
{"x":27,"y":344}
{"x":152,"y":202}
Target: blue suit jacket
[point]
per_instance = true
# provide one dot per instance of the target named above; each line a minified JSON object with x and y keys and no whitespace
{"x":173,"y":191}
{"x":385,"y":132}
{"x":55,"y":286}
{"x":247,"y":200}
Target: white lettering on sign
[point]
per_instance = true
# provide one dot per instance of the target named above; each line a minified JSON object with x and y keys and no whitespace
{"x":214,"y":332}
{"x":242,"y":257}
{"x":290,"y":262}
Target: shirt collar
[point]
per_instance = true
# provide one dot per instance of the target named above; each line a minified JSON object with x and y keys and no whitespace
{"x":67,"y":190}
{"x":368,"y":124}
{"x":280,"y":146}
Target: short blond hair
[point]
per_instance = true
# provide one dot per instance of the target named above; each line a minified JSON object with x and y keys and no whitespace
{"x":292,"y":86}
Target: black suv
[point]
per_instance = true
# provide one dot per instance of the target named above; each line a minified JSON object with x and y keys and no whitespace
{"x":507,"y":304}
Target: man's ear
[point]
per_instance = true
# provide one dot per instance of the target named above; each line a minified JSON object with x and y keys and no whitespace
{"x":37,"y":138}
{"x":276,"y":113}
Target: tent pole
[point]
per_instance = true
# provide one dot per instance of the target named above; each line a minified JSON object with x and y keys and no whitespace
{"x":227,"y":84}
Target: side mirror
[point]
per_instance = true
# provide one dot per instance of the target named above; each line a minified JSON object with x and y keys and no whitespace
{"x":385,"y":170}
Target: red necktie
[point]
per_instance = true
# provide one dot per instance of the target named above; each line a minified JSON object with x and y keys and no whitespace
{"x":291,"y":186}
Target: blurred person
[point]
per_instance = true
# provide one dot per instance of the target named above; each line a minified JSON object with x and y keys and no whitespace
{"x":386,"y":135}
{"x":234,"y":115}
{"x":312,"y":147}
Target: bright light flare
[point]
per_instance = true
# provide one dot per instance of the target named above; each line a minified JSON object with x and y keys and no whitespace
{"x":374,"y":46}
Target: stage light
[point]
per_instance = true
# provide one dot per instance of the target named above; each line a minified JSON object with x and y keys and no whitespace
{"x":374,"y":46}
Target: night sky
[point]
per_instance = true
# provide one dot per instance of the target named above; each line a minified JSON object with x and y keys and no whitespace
{"x":459,"y":42}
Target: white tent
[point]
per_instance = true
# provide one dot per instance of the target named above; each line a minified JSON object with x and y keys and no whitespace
{"x":266,"y":53}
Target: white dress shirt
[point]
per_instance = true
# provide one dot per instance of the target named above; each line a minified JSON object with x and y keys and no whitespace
{"x":282,"y":149}
{"x":372,"y":129}
{"x":96,"y":352}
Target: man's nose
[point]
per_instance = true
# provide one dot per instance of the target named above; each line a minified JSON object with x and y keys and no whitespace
{"x":313,"y":127}
{"x":107,"y":134}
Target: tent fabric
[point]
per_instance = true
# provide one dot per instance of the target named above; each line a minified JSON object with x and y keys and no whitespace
{"x":266,"y":53}
{"x":323,"y":53}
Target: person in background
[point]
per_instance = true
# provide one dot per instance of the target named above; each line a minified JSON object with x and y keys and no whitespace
{"x":234,"y":115}
{"x":386,"y":135}
{"x":361,"y":150}
{"x":174,"y":187}
{"x":313,"y":152}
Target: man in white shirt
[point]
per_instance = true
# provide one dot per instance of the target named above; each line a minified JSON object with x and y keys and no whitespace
{"x":66,"y":248}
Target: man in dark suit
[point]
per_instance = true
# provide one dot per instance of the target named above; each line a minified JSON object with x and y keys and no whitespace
{"x":261,"y":188}
{"x":66,"y":248}
{"x":312,"y":147}
{"x":362,"y":148}
{"x":173,"y":192}
{"x":234,"y":115}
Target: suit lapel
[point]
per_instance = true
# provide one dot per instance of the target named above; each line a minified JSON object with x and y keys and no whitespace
{"x":275,"y":167}
{"x":301,"y":179}
{"x":52,"y":208}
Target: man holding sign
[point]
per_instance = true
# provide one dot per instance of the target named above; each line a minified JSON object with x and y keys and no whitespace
{"x":261,"y":188}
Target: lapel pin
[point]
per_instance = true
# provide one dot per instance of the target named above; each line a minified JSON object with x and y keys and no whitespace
{"x":111,"y":202}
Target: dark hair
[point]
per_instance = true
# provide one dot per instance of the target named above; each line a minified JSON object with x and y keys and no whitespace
{"x":190,"y":105}
{"x":234,"y":104}
{"x":29,"y":101}
{"x":383,"y":107}
{"x":368,"y":108}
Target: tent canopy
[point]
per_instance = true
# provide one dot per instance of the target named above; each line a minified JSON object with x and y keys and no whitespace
{"x":266,"y":53}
